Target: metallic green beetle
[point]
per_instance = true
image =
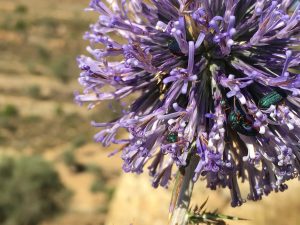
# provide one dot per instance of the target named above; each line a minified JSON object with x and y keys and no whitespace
{"x":273,"y":98}
{"x":174,"y":48}
{"x":240,"y":123}
{"x":172,"y":137}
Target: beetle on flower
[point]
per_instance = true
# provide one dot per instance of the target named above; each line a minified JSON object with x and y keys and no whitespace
{"x":213,"y":79}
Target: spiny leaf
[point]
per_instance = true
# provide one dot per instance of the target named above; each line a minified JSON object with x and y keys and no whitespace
{"x":199,"y":215}
{"x":203,"y":204}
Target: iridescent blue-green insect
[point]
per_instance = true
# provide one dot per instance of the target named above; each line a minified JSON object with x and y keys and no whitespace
{"x":241,"y":123}
{"x":273,"y":98}
{"x":174,"y":48}
{"x":172,"y":137}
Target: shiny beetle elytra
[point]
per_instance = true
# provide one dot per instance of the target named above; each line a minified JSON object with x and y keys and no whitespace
{"x":174,"y":48}
{"x":172,"y":137}
{"x":240,"y":123}
{"x":273,"y":98}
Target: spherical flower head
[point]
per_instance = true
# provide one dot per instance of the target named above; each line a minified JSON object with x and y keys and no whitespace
{"x":214,"y":80}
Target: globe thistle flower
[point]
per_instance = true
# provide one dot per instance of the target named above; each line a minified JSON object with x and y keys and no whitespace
{"x":216,"y":80}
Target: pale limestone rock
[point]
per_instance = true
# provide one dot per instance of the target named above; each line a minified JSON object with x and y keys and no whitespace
{"x":137,"y":203}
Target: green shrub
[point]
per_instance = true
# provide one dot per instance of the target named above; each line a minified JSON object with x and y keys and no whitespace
{"x":69,"y":158}
{"x":34,"y":91}
{"x":60,"y":69}
{"x":32,"y":119}
{"x":100,"y":182}
{"x":59,"y":110}
{"x":2,"y":139}
{"x":34,"y":69}
{"x":9,"y":111}
{"x":49,"y":25}
{"x":79,"y":141}
{"x":98,"y":185}
{"x":109,"y":192}
{"x":30,"y":191}
{"x":22,"y":9}
{"x":8,"y":116}
{"x":8,"y":124}
{"x":48,"y":22}
{"x":43,"y":53}
{"x":72,"y":163}
{"x":21,"y":26}
{"x":95,"y":169}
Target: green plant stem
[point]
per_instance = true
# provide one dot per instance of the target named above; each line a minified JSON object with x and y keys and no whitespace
{"x":180,"y":215}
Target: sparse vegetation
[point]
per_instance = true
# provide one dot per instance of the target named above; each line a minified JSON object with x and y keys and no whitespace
{"x":8,"y":114}
{"x":110,"y":193}
{"x":100,"y":182}
{"x":43,"y":53}
{"x":9,"y":111}
{"x":44,"y":45}
{"x":30,"y":191}
{"x":34,"y":91}
{"x":32,"y":119}
{"x":49,"y":25}
{"x":69,"y":158}
{"x":98,"y":186}
{"x":72,"y":163}
{"x":2,"y":140}
{"x":59,"y":111}
{"x":60,"y":68}
{"x":21,"y":25}
{"x":103,"y":209}
{"x":39,"y":133}
{"x":34,"y":69}
{"x":79,"y":141}
{"x":21,"y":9}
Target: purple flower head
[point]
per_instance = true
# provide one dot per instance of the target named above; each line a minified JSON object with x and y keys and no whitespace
{"x":217,"y":80}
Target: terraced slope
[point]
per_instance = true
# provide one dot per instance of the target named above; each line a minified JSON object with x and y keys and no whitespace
{"x":39,"y":41}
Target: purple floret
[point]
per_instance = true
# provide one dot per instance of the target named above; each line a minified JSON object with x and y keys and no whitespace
{"x":216,"y":80}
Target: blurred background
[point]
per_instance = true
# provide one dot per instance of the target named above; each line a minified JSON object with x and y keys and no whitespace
{"x":51,"y":172}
